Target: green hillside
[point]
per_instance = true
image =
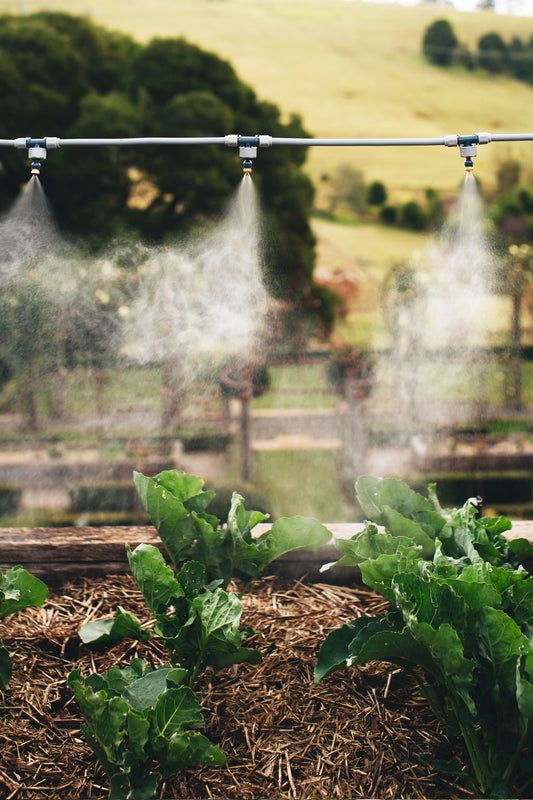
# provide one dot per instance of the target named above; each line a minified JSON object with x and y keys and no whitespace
{"x":351,"y":70}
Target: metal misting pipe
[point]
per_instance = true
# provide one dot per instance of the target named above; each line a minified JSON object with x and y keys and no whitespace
{"x":248,"y":145}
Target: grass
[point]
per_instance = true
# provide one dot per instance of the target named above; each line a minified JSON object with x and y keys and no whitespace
{"x":303,"y":482}
{"x":296,"y":387}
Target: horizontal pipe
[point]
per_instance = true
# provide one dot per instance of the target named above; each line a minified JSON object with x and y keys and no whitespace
{"x":512,"y":137}
{"x":356,"y":142}
{"x":235,"y":140}
{"x":145,"y":140}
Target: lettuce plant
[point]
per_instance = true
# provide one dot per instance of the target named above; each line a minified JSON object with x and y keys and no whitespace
{"x":194,"y":615}
{"x":461,"y":610}
{"x":137,"y":716}
{"x":19,"y":589}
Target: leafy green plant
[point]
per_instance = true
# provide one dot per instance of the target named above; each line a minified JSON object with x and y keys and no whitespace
{"x":194,"y":615}
{"x":19,"y":589}
{"x":461,"y":610}
{"x":135,"y":716}
{"x":176,"y":505}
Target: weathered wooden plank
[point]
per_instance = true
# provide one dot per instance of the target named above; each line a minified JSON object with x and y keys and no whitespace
{"x":59,"y":553}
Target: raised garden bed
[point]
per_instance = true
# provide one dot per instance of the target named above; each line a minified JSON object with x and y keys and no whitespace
{"x":356,"y":734}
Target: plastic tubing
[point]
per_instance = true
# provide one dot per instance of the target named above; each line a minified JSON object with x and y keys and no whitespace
{"x":357,"y":142}
{"x":145,"y":140}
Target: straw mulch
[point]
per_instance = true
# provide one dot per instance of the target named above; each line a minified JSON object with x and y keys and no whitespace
{"x":359,"y":733}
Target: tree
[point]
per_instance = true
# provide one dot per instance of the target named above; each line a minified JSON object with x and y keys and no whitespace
{"x":376,"y":194}
{"x":492,"y":53}
{"x":80,"y":80}
{"x":439,"y":43}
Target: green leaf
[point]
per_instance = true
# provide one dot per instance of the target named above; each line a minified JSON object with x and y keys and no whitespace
{"x":377,"y":494}
{"x":192,"y":578}
{"x":173,"y":499}
{"x":156,"y":580}
{"x":342,"y":644}
{"x":219,"y":614}
{"x":138,"y":727}
{"x":296,"y":533}
{"x":501,"y":642}
{"x":115,"y":680}
{"x":123,"y":625}
{"x":185,"y":749}
{"x":6,"y":667}
{"x":145,"y":691}
{"x":20,"y":589}
{"x":408,"y":529}
{"x":175,"y":711}
{"x":522,"y":548}
{"x":105,"y":718}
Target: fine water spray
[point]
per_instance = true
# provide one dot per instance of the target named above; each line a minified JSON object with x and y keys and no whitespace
{"x":249,"y":145}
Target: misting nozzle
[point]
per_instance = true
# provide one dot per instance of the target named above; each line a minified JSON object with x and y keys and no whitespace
{"x":247,"y":166}
{"x":36,"y":168}
{"x":469,"y":165}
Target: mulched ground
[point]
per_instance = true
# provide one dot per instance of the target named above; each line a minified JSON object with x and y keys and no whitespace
{"x":358,"y":734}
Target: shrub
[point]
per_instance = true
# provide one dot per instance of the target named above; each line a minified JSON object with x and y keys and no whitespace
{"x":414,"y":216}
{"x":492,"y":53}
{"x":118,"y":496}
{"x":206,"y":441}
{"x":10,"y":495}
{"x":439,"y":43}
{"x":376,"y":194}
{"x":388,"y":215}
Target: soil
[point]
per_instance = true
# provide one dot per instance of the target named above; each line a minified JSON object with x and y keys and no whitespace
{"x":362,"y":732}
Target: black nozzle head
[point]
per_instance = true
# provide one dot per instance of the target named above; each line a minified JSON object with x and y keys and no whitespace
{"x":469,"y":164}
{"x":36,"y":168}
{"x":247,"y":165}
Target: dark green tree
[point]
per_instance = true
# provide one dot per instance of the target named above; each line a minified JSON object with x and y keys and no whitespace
{"x":376,"y":194}
{"x":439,"y":43}
{"x":492,"y":53}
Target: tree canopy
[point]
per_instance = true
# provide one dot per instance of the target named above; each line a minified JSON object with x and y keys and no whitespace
{"x":64,"y":76}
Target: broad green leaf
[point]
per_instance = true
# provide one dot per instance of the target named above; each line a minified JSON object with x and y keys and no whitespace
{"x":138,"y":727}
{"x":240,"y":521}
{"x":219,"y":613}
{"x":399,"y":525}
{"x":192,"y":578}
{"x":501,"y":642}
{"x":220,"y":659}
{"x":6,"y":667}
{"x":175,"y":711}
{"x":524,"y":696}
{"x":123,"y":625}
{"x":156,"y":580}
{"x":172,"y":499}
{"x":522,"y":548}
{"x":296,"y":533}
{"x":20,"y":589}
{"x":377,"y":494}
{"x":185,"y":749}
{"x":143,"y":785}
{"x":395,"y":647}
{"x":446,"y":652}
{"x":334,"y":651}
{"x":144,"y":692}
{"x":105,"y":718}
{"x":115,"y":680}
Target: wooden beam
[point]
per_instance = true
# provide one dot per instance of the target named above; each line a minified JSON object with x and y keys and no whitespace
{"x":62,"y":553}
